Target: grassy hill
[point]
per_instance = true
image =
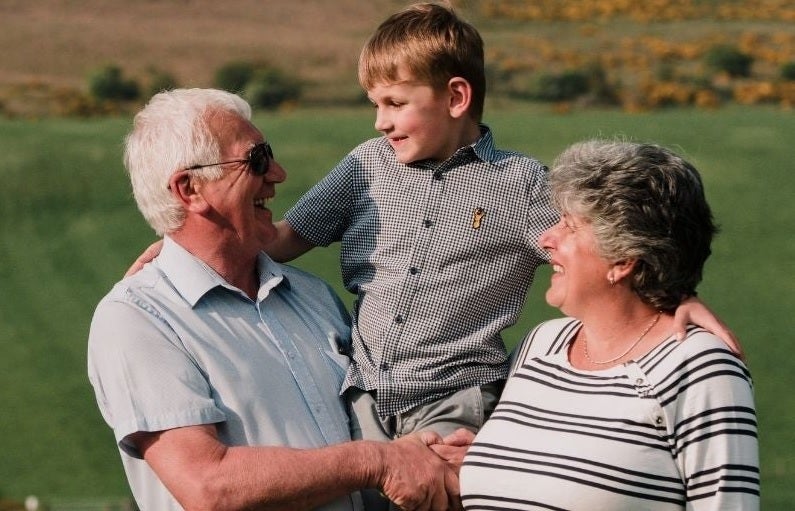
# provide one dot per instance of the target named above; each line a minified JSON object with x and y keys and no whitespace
{"x":70,"y":229}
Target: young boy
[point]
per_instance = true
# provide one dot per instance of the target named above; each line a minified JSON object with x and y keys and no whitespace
{"x":438,"y":232}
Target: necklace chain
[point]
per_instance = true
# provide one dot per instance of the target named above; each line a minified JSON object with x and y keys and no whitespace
{"x":631,"y":347}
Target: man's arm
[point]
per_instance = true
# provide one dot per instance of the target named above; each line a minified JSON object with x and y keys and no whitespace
{"x":202,"y":473}
{"x":696,"y":312}
{"x":287,"y":245}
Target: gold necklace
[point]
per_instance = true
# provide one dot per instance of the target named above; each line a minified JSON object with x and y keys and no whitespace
{"x":631,"y":347}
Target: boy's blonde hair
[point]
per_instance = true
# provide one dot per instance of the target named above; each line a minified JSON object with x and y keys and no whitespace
{"x":432,"y":44}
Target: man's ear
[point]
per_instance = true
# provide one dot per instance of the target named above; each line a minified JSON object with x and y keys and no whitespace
{"x":184,"y":188}
{"x":460,"y":96}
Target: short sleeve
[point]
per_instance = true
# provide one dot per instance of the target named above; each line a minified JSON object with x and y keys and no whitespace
{"x":322,"y":214}
{"x":541,"y":215}
{"x":143,"y":378}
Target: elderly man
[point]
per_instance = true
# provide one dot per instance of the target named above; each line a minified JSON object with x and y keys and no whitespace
{"x":217,"y":368}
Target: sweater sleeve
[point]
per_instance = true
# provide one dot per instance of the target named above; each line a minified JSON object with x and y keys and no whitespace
{"x":715,"y":429}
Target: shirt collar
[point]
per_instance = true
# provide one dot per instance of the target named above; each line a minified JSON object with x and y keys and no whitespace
{"x":484,"y":146}
{"x":482,"y":149}
{"x":192,"y":278}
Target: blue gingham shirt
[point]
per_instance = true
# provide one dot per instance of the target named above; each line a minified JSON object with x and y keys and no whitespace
{"x":175,"y":345}
{"x":440,"y":256}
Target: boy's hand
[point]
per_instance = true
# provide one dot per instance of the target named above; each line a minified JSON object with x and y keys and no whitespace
{"x":693,"y":310}
{"x":150,"y":253}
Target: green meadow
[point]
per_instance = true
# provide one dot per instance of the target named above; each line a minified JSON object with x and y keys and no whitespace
{"x":70,"y":229}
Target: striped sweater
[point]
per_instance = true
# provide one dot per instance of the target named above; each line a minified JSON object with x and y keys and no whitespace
{"x":673,"y":430}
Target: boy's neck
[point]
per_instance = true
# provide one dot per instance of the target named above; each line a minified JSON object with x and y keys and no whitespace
{"x":468,"y":135}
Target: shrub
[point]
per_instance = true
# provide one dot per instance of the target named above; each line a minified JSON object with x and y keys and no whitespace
{"x":270,"y":87}
{"x":788,"y":71}
{"x":108,"y":83}
{"x":730,"y":60}
{"x":560,"y":87}
{"x":158,"y":81}
{"x":234,"y":76}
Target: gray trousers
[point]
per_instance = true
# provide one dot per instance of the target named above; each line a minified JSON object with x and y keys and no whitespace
{"x":468,"y":408}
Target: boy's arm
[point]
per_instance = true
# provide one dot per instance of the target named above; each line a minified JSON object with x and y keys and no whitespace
{"x":693,"y":310}
{"x":288,"y":244}
{"x":285,"y":247}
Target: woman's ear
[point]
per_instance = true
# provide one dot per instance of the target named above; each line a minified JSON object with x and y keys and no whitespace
{"x":620,"y":270}
{"x":184,"y":188}
{"x":460,"y":96}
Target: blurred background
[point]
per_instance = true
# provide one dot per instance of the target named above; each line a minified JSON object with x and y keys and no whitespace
{"x":713,"y":79}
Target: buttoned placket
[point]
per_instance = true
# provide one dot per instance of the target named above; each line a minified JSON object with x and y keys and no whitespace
{"x":331,"y":427}
{"x":414,"y":272}
{"x":645,"y":390}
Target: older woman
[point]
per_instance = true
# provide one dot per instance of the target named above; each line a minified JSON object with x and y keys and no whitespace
{"x":604,"y":408}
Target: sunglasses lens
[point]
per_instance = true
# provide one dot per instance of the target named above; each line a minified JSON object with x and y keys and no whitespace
{"x":260,"y":157}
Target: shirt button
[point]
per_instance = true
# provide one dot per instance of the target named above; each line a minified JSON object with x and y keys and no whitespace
{"x":384,"y":366}
{"x":398,"y":319}
{"x":427,"y":223}
{"x":639,"y":382}
{"x":413,"y":270}
{"x":658,"y":420}
{"x":438,"y":175}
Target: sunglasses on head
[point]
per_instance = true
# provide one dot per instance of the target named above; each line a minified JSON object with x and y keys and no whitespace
{"x":259,"y":160}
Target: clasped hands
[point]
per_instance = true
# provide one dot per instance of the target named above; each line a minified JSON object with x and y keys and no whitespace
{"x":425,"y":471}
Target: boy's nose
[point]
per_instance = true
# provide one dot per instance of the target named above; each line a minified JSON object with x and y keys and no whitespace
{"x":382,"y":123}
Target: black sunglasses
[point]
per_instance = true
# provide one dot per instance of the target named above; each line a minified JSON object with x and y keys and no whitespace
{"x":259,"y":160}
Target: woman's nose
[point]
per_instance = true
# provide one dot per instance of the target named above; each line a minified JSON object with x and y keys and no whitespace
{"x":547,"y":238}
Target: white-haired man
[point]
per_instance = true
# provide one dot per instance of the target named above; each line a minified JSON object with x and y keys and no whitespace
{"x":217,"y":368}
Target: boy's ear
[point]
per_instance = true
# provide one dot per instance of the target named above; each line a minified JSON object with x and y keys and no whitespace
{"x":460,"y":96}
{"x":183,"y":188}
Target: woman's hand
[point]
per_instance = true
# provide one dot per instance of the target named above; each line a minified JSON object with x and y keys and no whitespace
{"x":150,"y":253}
{"x":453,"y":447}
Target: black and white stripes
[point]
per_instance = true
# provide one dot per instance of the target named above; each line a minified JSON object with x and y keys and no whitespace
{"x":673,"y":430}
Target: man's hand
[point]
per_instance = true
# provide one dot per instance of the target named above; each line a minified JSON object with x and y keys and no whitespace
{"x":150,"y":253}
{"x":694,"y":311}
{"x":415,"y":478}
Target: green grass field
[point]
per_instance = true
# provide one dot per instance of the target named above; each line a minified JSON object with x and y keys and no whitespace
{"x":70,"y":229}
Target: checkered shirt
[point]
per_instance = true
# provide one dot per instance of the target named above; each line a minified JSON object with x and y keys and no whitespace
{"x":440,"y":256}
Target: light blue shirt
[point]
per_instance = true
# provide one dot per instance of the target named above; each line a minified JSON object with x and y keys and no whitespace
{"x":175,"y":345}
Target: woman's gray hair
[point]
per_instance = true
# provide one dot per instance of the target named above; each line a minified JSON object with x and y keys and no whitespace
{"x":170,"y":134}
{"x":645,"y":203}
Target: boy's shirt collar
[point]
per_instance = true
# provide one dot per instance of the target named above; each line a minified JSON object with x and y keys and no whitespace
{"x":483,"y":149}
{"x":484,"y":146}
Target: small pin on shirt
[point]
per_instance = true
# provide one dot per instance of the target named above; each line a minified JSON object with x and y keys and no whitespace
{"x":477,"y":217}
